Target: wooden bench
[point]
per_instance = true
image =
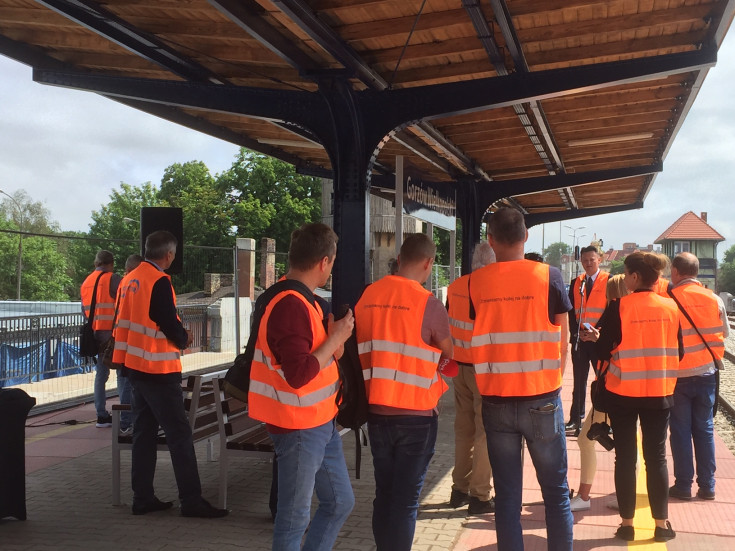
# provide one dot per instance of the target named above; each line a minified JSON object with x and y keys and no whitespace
{"x":239,"y":436}
{"x":200,"y":405}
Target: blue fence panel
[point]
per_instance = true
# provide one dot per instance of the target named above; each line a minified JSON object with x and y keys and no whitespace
{"x":23,"y":364}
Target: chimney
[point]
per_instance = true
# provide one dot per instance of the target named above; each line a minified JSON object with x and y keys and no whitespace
{"x":704,"y":216}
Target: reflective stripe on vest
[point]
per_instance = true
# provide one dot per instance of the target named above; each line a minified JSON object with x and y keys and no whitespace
{"x":701,"y":304}
{"x":104,"y":308}
{"x":399,"y":368}
{"x":517,"y":350}
{"x":139,"y":342}
{"x":460,"y":324}
{"x":271,"y":399}
{"x":645,"y":362}
{"x":590,"y":309}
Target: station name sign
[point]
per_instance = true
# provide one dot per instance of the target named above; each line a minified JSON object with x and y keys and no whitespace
{"x":428,"y":203}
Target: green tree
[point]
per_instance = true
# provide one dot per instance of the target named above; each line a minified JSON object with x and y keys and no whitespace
{"x":617,"y":267}
{"x":554,"y":252}
{"x":44,"y":268}
{"x":726,"y":276}
{"x":207,"y":213}
{"x":269,"y":198}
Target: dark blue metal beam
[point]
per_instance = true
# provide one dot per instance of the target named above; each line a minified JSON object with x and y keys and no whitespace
{"x":400,"y":107}
{"x":546,"y":217}
{"x":103,"y":22}
{"x":489,"y":193}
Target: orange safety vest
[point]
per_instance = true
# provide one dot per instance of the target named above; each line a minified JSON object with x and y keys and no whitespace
{"x":645,"y":363}
{"x":701,"y":305}
{"x":139,"y":342}
{"x":590,"y":308}
{"x":272,"y":400}
{"x":460,"y":324}
{"x":104,"y":308}
{"x":517,"y":350}
{"x":661,"y":287}
{"x":399,"y":368}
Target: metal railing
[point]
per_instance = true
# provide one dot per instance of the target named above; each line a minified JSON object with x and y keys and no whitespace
{"x":45,"y":346}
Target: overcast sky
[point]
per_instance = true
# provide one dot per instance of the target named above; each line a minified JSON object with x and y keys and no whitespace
{"x":70,"y":149}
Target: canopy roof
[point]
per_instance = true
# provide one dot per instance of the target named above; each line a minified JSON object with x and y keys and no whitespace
{"x":574,"y":106}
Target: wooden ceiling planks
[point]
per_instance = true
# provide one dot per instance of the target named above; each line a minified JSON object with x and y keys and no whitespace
{"x":633,"y":123}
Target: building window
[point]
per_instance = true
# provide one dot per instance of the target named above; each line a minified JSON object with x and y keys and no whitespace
{"x":681,"y":247}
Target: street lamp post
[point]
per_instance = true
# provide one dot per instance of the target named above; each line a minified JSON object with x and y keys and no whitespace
{"x":19,"y":269}
{"x":574,"y":245}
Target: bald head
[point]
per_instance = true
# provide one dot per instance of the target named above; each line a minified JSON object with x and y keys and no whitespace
{"x":684,"y":266}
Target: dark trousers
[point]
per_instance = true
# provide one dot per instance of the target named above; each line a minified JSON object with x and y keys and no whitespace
{"x":654,"y":424}
{"x":402,"y":446}
{"x":582,"y":357}
{"x":161,"y":403}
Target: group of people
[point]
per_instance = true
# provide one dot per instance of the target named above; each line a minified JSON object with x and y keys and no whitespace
{"x":507,"y":326}
{"x":656,"y":346}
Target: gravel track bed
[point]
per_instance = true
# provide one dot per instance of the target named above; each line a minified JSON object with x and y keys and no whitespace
{"x":724,"y":424}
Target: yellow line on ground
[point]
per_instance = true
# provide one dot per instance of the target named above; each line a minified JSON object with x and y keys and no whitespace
{"x":64,"y":429}
{"x":644,"y":523}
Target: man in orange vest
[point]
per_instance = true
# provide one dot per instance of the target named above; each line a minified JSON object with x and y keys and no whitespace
{"x":587,"y":294}
{"x":104,"y":312}
{"x":149,"y":337}
{"x":472,"y":473}
{"x":519,"y":348}
{"x":694,"y":394}
{"x":402,"y":333}
{"x":293,"y":386}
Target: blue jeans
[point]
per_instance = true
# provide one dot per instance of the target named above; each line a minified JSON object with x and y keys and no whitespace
{"x":402,"y":446}
{"x":541,"y":423}
{"x":162,"y":403}
{"x":691,"y":420}
{"x":311,"y":460}
{"x":125,"y":393}
{"x":101,"y":375}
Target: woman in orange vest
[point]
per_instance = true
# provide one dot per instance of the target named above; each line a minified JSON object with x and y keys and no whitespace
{"x":615,"y":289}
{"x":640,"y":337}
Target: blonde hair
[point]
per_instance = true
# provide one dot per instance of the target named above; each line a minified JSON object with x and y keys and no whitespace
{"x":616,"y":287}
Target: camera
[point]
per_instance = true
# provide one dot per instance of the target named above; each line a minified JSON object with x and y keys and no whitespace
{"x":600,"y":432}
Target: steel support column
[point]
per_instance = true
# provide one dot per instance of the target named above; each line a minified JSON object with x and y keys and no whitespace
{"x":470,"y":212}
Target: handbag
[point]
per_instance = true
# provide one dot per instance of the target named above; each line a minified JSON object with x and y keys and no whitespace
{"x":718,"y":363}
{"x":88,"y":345}
{"x":598,"y":391}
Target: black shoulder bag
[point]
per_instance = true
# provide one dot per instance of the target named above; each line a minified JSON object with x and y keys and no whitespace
{"x":88,"y":345}
{"x":718,"y":362}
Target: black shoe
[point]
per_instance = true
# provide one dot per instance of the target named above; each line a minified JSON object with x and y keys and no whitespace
{"x":104,"y":421}
{"x":664,"y":534}
{"x":457,"y":499}
{"x":203,"y":509}
{"x":151,"y":507}
{"x":626,"y":533}
{"x":572,"y":426}
{"x":706,"y":494}
{"x":478,"y":507}
{"x":679,"y":494}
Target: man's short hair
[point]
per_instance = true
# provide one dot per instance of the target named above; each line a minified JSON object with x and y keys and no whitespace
{"x":310,"y":244}
{"x":507,"y":226}
{"x":482,"y":255}
{"x":589,"y":249}
{"x":686,"y":264}
{"x":417,"y":247}
{"x":159,"y":243}
{"x":103,"y":258}
{"x":533,"y":256}
{"x":132,"y":262}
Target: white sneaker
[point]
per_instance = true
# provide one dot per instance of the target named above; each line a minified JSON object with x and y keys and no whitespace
{"x":579,"y":504}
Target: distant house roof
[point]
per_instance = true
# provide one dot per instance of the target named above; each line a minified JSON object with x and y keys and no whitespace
{"x":613,"y":254}
{"x":691,"y":227}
